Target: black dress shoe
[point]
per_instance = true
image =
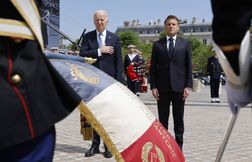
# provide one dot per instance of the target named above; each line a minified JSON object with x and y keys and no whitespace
{"x":107,"y":154}
{"x":92,"y":151}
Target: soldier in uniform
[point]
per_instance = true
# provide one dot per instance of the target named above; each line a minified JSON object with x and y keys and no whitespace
{"x":33,"y":96}
{"x":132,"y":59}
{"x":214,"y":71}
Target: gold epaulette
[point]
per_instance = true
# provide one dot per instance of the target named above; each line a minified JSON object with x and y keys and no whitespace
{"x":29,"y":12}
{"x":16,"y":29}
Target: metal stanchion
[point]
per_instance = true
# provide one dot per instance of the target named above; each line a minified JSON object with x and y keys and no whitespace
{"x":228,"y":132}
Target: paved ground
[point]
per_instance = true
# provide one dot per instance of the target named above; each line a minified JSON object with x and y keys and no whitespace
{"x":205,"y":125}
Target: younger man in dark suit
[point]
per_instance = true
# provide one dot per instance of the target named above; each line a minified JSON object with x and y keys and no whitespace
{"x":171,"y":76}
{"x":104,"y":46}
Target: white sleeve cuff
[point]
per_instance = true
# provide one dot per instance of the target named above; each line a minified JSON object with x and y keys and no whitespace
{"x":99,"y":52}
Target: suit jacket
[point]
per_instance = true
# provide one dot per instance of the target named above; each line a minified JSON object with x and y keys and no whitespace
{"x":110,"y":64}
{"x":171,"y":71}
{"x":213,"y":67}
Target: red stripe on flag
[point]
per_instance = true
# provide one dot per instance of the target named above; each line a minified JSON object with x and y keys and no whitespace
{"x":156,"y":144}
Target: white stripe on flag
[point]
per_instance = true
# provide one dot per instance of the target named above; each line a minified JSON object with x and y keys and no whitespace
{"x":118,"y":110}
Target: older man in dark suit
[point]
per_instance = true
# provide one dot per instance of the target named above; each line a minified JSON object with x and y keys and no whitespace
{"x":171,"y":76}
{"x":104,"y":46}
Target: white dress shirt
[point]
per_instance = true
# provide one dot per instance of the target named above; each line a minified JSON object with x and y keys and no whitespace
{"x":168,"y":42}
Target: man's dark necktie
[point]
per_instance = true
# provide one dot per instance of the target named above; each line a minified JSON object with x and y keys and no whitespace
{"x":171,"y":46}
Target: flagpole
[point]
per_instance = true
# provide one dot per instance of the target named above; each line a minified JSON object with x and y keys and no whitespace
{"x":60,"y":32}
{"x":228,"y":132}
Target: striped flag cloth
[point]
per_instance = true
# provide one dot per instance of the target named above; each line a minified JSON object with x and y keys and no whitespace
{"x":129,"y":129}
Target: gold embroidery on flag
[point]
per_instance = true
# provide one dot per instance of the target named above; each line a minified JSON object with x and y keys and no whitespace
{"x":151,"y":152}
{"x":77,"y":74}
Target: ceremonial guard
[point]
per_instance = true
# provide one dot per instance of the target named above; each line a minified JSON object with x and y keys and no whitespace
{"x":131,"y":66}
{"x":214,"y":71}
{"x":33,"y":96}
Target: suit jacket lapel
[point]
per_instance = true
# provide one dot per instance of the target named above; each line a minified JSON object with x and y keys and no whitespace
{"x":128,"y":58}
{"x":135,"y":59}
{"x":108,"y":37}
{"x":164,"y":43}
{"x":94,"y":39}
{"x":176,"y":45}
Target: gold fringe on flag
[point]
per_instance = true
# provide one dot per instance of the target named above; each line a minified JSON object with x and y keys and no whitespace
{"x":100,"y":130}
{"x":85,"y":129}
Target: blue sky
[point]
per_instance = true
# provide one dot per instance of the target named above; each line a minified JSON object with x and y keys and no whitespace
{"x":75,"y":15}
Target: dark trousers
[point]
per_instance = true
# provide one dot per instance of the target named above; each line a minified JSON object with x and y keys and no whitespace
{"x":97,"y":140}
{"x":132,"y":85}
{"x":38,"y":149}
{"x":165,"y":98}
{"x":214,"y":87}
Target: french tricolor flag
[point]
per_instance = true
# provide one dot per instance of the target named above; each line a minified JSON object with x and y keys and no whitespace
{"x":129,"y":129}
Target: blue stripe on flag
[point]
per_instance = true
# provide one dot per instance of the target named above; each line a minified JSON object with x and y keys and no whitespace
{"x":85,"y":79}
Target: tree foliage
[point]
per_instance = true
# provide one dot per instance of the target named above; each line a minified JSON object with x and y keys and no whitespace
{"x":130,"y":37}
{"x":72,"y":46}
{"x":200,"y":54}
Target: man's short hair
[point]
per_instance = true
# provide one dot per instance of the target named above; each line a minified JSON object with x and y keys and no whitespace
{"x":171,"y":17}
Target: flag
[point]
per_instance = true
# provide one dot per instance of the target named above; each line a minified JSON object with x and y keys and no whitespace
{"x":131,"y":132}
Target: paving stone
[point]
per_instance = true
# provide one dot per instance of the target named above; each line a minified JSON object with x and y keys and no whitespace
{"x":205,"y":125}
